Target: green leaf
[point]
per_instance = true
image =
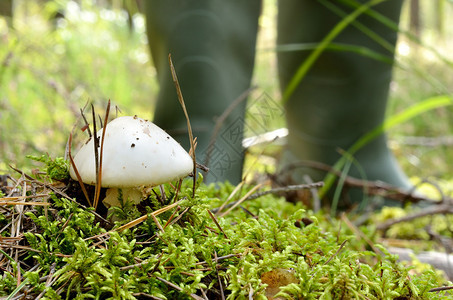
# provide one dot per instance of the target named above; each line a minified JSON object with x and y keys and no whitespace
{"x":404,"y":116}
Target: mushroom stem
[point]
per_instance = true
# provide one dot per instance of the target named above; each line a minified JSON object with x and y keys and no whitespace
{"x":112,"y":195}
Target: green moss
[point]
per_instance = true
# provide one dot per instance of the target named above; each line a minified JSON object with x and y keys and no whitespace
{"x":192,"y":254}
{"x":56,"y":169}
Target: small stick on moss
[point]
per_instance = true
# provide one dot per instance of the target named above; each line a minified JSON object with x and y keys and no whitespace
{"x":217,"y":223}
{"x":142,"y":295}
{"x":359,"y":234}
{"x":287,"y":189}
{"x":22,"y":203}
{"x":157,"y":223}
{"x":336,"y":252}
{"x":180,"y":216}
{"x":248,"y":212}
{"x":62,"y":194}
{"x":87,"y":125}
{"x":442,"y":288}
{"x":178,"y":189}
{"x":219,"y":258}
{"x":242,"y":199}
{"x":193,"y":296}
{"x":217,"y":271}
{"x":141,"y":264}
{"x":172,"y":216}
{"x":143,"y":218}
{"x":99,"y":177}
{"x":236,"y":189}
{"x":49,"y":279}
{"x":96,"y":153}
{"x":27,"y":248}
{"x":79,"y":178}
{"x":25,"y":197}
{"x":203,"y":293}
{"x":189,"y":128}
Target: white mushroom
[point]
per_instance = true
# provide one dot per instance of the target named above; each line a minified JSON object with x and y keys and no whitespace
{"x":136,"y":153}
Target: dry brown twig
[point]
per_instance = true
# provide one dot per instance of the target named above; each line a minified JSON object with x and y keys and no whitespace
{"x":245,"y":197}
{"x":235,"y":190}
{"x":359,"y":234}
{"x":58,"y":192}
{"x":176,"y":287}
{"x":377,"y":188}
{"x":251,"y":195}
{"x":76,"y":171}
{"x":445,"y":208}
{"x":218,"y":275}
{"x":189,"y":127}
{"x":98,"y":155}
{"x":143,"y":218}
{"x":96,"y":152}
{"x":99,"y":172}
{"x":217,"y":223}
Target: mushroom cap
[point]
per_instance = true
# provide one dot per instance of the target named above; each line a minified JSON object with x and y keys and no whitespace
{"x":136,"y":152}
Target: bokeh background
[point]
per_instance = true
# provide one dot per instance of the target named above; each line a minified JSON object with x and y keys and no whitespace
{"x":56,"y":56}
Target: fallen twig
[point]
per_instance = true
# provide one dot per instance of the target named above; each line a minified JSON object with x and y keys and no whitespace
{"x":377,"y":188}
{"x":242,"y":199}
{"x":251,"y":196}
{"x":217,"y":224}
{"x":446,"y":208}
{"x":79,"y":178}
{"x":442,"y":288}
{"x":143,"y":218}
{"x":288,"y":188}
{"x":193,"y":296}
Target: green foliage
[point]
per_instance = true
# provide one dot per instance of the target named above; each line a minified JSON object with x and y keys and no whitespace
{"x":58,"y":232}
{"x":51,"y":67}
{"x":193,"y":254}
{"x":57,"y":169}
{"x":7,"y":284}
{"x":407,"y":114}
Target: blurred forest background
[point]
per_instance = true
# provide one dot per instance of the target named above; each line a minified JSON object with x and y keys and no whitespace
{"x":55,"y":56}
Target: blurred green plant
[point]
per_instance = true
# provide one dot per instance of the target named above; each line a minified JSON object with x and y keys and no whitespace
{"x":50,"y":67}
{"x":56,"y":169}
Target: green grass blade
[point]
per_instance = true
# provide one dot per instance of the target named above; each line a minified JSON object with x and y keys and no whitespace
{"x":408,"y":34}
{"x":17,"y":289}
{"x":404,"y":116}
{"x":364,"y":51}
{"x":341,"y":181}
{"x":311,"y":59}
{"x":364,"y":29}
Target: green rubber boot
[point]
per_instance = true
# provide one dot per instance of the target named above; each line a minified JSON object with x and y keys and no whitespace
{"x":212,"y":44}
{"x":343,"y":96}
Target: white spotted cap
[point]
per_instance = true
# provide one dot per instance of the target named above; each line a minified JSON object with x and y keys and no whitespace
{"x":136,"y":152}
